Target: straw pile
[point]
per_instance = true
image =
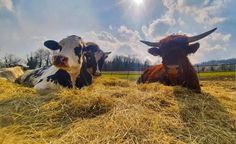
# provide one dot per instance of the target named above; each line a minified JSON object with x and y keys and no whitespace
{"x":119,"y":111}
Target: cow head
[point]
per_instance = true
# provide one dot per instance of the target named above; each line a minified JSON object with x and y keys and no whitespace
{"x":95,"y":58}
{"x":68,"y":53}
{"x":174,"y":50}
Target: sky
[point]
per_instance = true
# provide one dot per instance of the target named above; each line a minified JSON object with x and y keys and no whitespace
{"x":118,"y":25}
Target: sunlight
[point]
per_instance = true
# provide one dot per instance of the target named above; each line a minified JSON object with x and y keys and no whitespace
{"x":138,"y":2}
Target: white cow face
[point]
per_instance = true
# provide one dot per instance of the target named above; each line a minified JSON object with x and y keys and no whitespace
{"x":68,"y":52}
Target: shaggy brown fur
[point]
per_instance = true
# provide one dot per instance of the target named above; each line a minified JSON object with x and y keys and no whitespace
{"x":175,"y":68}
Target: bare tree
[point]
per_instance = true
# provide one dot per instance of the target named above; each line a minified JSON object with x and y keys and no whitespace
{"x":43,"y":57}
{"x":11,"y":60}
{"x":1,"y":64}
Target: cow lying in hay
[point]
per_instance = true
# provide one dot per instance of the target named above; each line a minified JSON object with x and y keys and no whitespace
{"x":176,"y":68}
{"x":75,"y":63}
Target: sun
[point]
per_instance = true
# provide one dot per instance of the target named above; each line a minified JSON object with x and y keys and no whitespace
{"x":138,"y":2}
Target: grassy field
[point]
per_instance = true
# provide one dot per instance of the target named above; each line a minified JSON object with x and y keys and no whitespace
{"x":114,"y":110}
{"x":231,"y":75}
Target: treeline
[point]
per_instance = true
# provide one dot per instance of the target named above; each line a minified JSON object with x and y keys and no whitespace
{"x":124,"y":63}
{"x":215,"y":68}
{"x":36,"y":59}
{"x":41,"y":58}
{"x":219,"y":62}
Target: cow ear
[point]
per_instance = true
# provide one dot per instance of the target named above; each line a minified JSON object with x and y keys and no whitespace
{"x":52,"y":45}
{"x":154,"y":51}
{"x":192,"y":48}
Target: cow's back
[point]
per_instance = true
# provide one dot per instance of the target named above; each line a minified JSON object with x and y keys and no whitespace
{"x":32,"y":77}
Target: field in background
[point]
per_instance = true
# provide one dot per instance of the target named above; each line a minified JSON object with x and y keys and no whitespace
{"x":230,"y":75}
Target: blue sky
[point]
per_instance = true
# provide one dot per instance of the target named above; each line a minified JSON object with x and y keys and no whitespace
{"x":118,"y":25}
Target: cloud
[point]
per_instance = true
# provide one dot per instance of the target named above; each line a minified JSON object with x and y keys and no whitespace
{"x":180,"y":14}
{"x":203,"y":12}
{"x":158,"y":27}
{"x":8,"y":4}
{"x":23,"y":30}
{"x":212,"y":47}
{"x":121,"y":41}
{"x":128,"y":34}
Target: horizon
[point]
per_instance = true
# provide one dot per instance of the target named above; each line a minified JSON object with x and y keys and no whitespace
{"x":118,"y":25}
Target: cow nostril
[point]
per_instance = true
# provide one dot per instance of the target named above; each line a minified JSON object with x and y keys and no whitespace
{"x":63,"y":59}
{"x":60,"y":59}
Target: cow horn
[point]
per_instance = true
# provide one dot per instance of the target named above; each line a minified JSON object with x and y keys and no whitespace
{"x":152,"y":44}
{"x":198,"y":37}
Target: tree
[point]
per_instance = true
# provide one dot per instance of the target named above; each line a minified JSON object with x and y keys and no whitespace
{"x":147,"y":63}
{"x":212,"y":68}
{"x":43,"y":57}
{"x":32,"y":62}
{"x":1,"y":64}
{"x":11,"y":60}
{"x":124,"y":63}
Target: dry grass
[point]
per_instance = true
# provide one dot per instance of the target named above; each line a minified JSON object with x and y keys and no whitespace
{"x":119,"y":111}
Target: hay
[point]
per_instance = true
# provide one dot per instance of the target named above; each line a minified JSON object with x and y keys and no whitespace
{"x":119,"y":111}
{"x":11,"y":74}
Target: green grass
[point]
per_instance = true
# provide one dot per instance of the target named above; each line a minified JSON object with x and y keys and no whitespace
{"x":218,"y":75}
{"x":231,"y":75}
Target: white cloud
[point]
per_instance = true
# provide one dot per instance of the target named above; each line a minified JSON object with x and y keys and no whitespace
{"x":180,"y":13}
{"x":158,"y":27}
{"x":203,"y":12}
{"x":124,"y":42}
{"x":212,"y":47}
{"x":25,"y":32}
{"x":128,"y":35}
{"x":8,"y":4}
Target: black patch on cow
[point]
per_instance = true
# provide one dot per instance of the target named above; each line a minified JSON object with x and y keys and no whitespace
{"x":40,"y":80}
{"x":91,"y":61}
{"x":61,"y":77}
{"x":85,"y":78}
{"x":78,"y":52}
{"x":92,"y":48}
{"x":40,"y":71}
{"x":101,"y":62}
{"x":35,"y":74}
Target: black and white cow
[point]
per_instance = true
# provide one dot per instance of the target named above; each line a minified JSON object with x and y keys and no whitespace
{"x":74,"y":65}
{"x":95,"y":58}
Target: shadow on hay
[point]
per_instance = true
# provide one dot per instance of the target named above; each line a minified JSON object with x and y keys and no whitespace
{"x":49,"y":110}
{"x":205,"y":118}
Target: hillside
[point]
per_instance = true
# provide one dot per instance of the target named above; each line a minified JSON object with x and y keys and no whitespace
{"x":118,"y":111}
{"x":218,"y":62}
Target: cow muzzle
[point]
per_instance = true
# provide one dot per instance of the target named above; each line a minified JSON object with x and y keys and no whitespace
{"x":94,"y":73}
{"x":172,"y":70}
{"x":97,"y":73}
{"x":60,"y":61}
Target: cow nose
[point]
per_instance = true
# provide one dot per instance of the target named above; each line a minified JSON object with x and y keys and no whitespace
{"x":97,"y":74}
{"x":172,"y":69}
{"x":60,"y":60}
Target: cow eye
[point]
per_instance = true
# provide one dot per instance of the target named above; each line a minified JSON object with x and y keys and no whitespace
{"x":78,"y":51}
